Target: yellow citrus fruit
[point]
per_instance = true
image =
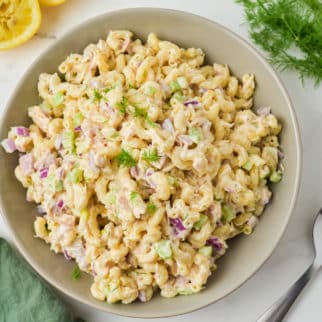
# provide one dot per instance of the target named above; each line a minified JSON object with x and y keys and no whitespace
{"x":51,"y":3}
{"x":19,"y":21}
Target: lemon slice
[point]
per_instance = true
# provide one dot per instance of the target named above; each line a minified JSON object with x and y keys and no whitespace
{"x":51,"y":3}
{"x":19,"y":21}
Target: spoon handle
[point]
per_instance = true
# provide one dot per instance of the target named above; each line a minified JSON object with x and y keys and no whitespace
{"x":278,"y":310}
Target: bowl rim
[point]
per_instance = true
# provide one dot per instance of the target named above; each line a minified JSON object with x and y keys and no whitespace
{"x":43,"y":273}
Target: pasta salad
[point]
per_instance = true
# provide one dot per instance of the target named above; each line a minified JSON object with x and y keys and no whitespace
{"x":144,"y":162}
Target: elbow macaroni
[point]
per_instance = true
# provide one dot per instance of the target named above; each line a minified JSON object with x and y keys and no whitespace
{"x":144,"y":162}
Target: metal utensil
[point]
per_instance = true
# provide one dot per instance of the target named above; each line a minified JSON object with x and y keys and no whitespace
{"x":278,"y":310}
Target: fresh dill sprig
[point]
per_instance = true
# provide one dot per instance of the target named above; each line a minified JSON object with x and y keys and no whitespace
{"x":290,"y":31}
{"x":125,"y":159}
{"x":123,"y":105}
{"x":76,"y":273}
{"x":151,"y":155}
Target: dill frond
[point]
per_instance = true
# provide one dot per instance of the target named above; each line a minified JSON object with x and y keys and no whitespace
{"x":290,"y":31}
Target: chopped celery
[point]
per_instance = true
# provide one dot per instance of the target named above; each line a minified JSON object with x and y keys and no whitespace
{"x":78,"y":119}
{"x":150,"y":90}
{"x":58,"y":185}
{"x":248,"y":165}
{"x":163,"y":248}
{"x":276,"y":176}
{"x":197,"y":225}
{"x":195,"y":134}
{"x":182,"y":81}
{"x":76,"y":175}
{"x":178,"y":96}
{"x":206,"y":250}
{"x":228,"y":214}
{"x":110,"y":198}
{"x":58,"y":99}
{"x":68,"y":141}
{"x":174,"y":86}
{"x":185,"y":292}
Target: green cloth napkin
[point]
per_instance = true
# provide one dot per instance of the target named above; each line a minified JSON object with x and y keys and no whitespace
{"x":24,"y":297}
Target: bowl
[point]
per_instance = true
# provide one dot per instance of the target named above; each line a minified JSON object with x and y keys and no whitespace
{"x":247,"y":253}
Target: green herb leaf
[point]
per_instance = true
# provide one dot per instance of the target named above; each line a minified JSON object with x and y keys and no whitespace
{"x":123,"y":105}
{"x":290,"y":32}
{"x":97,"y":95}
{"x":139,"y":112}
{"x":76,"y":273}
{"x":151,"y":155}
{"x":133,"y":195}
{"x":125,"y":159}
{"x":151,"y":208}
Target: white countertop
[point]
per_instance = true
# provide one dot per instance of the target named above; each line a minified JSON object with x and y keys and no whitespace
{"x":294,"y":252}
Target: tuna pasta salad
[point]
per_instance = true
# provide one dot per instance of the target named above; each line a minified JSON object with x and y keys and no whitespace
{"x":143,"y":162}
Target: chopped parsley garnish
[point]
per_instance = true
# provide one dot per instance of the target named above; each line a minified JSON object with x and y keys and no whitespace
{"x":122,"y":106}
{"x":125,"y":159}
{"x":139,"y":112}
{"x":76,"y":274}
{"x":97,"y":95}
{"x":133,"y":195}
{"x":151,"y":208}
{"x":151,"y":156}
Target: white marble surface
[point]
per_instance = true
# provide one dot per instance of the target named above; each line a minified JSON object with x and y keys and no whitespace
{"x":295,"y":251}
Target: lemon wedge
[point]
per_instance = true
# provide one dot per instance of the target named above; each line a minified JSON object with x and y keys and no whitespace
{"x":19,"y":21}
{"x":51,"y":3}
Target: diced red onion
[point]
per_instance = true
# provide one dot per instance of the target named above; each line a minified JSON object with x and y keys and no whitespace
{"x":184,"y":139}
{"x":252,"y":221}
{"x":96,"y":83}
{"x":206,"y":125}
{"x":168,"y":126}
{"x":149,"y":172}
{"x":203,"y":90}
{"x":110,"y":109}
{"x":142,"y":296}
{"x":9,"y":145}
{"x":67,"y":255}
{"x":21,"y":131}
{"x":125,"y":44}
{"x":177,"y":223}
{"x":26,"y":163}
{"x":60,"y":204}
{"x":92,"y":164}
{"x":78,"y":129}
{"x":264,"y":111}
{"x":135,"y":172}
{"x":43,"y":173}
{"x":280,"y":155}
{"x":191,"y":102}
{"x":41,"y":210}
{"x":215,"y":243}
